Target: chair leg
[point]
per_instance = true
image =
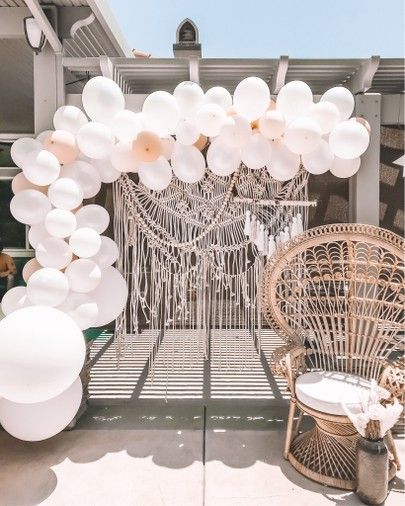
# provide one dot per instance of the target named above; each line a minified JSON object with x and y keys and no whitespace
{"x":290,"y":422}
{"x":298,"y":424}
{"x":392,"y":448}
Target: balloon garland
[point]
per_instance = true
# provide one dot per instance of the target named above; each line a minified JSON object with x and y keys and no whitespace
{"x":71,"y":283}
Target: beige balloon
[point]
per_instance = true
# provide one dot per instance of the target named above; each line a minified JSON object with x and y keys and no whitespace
{"x":147,"y":147}
{"x":20,"y":183}
{"x":201,"y":143}
{"x":29,"y":268}
{"x":63,"y":145}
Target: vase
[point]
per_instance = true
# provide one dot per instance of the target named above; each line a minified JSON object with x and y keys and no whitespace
{"x":372,"y":471}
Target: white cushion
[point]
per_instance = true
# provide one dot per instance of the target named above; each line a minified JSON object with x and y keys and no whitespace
{"x":325,"y":391}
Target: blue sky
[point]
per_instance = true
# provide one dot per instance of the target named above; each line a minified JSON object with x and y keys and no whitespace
{"x":267,"y":28}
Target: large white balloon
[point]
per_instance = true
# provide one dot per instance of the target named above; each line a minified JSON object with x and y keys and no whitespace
{"x":123,"y":157}
{"x":53,"y":252}
{"x":81,"y":308}
{"x":110,"y":295}
{"x":108,"y":253}
{"x":349,"y":140}
{"x":345,"y":168}
{"x":320,"y":160}
{"x":209,"y":120}
{"x":102,"y":99}
{"x":60,"y":223}
{"x":85,"y":242}
{"x":126,"y":125}
{"x":222,"y":157}
{"x":106,"y":171}
{"x":85,"y":175}
{"x":167,"y":146}
{"x":37,"y":233}
{"x":257,"y":152}
{"x":342,"y":98}
{"x":15,"y":298}
{"x":42,"y":351}
{"x":41,"y":420}
{"x":190,"y":98}
{"x":251,"y":98}
{"x":95,"y":140}
{"x":84,"y":275}
{"x":65,"y":193}
{"x":302,"y":135}
{"x":220,"y":96}
{"x":188,"y":163}
{"x":41,"y":167}
{"x":30,"y":207}
{"x":22,"y":147}
{"x":326,"y":115}
{"x":284,"y":164}
{"x":93,"y":216}
{"x":161,"y":113}
{"x":272,"y":124}
{"x":294,"y":99}
{"x":69,"y":118}
{"x":47,"y":287}
{"x":236,"y":132}
{"x":187,"y":133}
{"x":155,"y":175}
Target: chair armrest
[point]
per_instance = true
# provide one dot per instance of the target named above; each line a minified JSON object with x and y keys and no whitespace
{"x":289,"y":361}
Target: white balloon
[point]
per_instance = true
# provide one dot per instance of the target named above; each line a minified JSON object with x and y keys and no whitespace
{"x":29,"y":268}
{"x":155,"y":175}
{"x":257,"y":152}
{"x":161,"y":113}
{"x":84,"y":275}
{"x":44,"y":135}
{"x":187,"y":133}
{"x":53,"y":252}
{"x":349,"y":140}
{"x":190,"y":98}
{"x":85,"y":175}
{"x":319,"y":160}
{"x":41,"y":167}
{"x":126,"y":125}
{"x":41,"y":420}
{"x":106,"y":171}
{"x":102,"y":99}
{"x":222,"y":158}
{"x":30,"y":207}
{"x":69,"y":118}
{"x":22,"y":147}
{"x":220,"y":96}
{"x":65,"y":193}
{"x":36,"y":234}
{"x":85,"y":242}
{"x":210,"y":118}
{"x":47,"y":287}
{"x":167,"y":146}
{"x":345,"y":167}
{"x":342,"y":98}
{"x":188,"y":163}
{"x":294,"y":100}
{"x":302,"y":135}
{"x":123,"y":157}
{"x":272,"y":124}
{"x":326,"y":115}
{"x":110,"y":295}
{"x":15,"y":298}
{"x":284,"y":164}
{"x":93,"y":216}
{"x":81,"y":308}
{"x":95,"y":140}
{"x":107,"y":254}
{"x":236,"y":132}
{"x":251,"y":98}
{"x":60,"y":223}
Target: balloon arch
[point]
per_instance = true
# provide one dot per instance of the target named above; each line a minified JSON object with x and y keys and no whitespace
{"x":71,"y":283}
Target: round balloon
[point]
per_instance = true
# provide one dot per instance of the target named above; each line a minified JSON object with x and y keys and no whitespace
{"x":29,"y":268}
{"x":102,"y":99}
{"x":302,"y":135}
{"x":343,"y":168}
{"x":63,"y":145}
{"x":15,"y":298}
{"x":155,"y":175}
{"x":161,"y":113}
{"x":294,"y":100}
{"x":272,"y":124}
{"x":93,"y":216}
{"x":187,"y":133}
{"x":36,"y":234}
{"x":107,"y":254}
{"x":251,"y":98}
{"x":349,"y":140}
{"x":190,"y":98}
{"x":220,"y":96}
{"x":257,"y":152}
{"x":363,"y":122}
{"x":106,"y":171}
{"x":65,"y":193}
{"x":222,"y":158}
{"x":320,"y":160}
{"x":110,"y":295}
{"x":85,"y":175}
{"x":126,"y":125}
{"x":342,"y":98}
{"x":284,"y":164}
{"x":43,"y":136}
{"x":60,"y":223}
{"x":95,"y":140}
{"x":41,"y":420}
{"x":85,"y":242}
{"x":41,"y":167}
{"x":209,"y":119}
{"x":188,"y":163}
{"x":81,"y":308}
{"x":326,"y":115}
{"x":20,"y":182}
{"x":123,"y":158}
{"x":53,"y":252}
{"x":47,"y":287}
{"x":22,"y":147}
{"x":237,"y":132}
{"x":167,"y":146}
{"x":147,"y":147}
{"x":69,"y":118}
{"x":84,"y":275}
{"x":30,"y":207}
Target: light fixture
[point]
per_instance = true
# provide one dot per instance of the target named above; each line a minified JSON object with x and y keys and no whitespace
{"x":34,"y":35}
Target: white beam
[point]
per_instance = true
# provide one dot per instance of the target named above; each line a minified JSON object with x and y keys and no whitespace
{"x":362,"y":79}
{"x":194,"y":70}
{"x":106,"y":67}
{"x":278,"y":79}
{"x":45,"y":25}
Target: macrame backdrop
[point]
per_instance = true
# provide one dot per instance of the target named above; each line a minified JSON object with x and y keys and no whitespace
{"x":187,"y":259}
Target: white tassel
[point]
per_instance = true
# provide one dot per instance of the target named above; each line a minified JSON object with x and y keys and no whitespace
{"x":252,"y":235}
{"x":294,"y":230}
{"x":260,"y":239}
{"x":286,"y":233}
{"x":278,"y":239}
{"x":266,"y":242}
{"x":247,"y":227}
{"x":272,"y":246}
{"x":300,"y":227}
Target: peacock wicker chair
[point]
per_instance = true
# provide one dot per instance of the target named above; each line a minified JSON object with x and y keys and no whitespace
{"x":336,"y":295}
